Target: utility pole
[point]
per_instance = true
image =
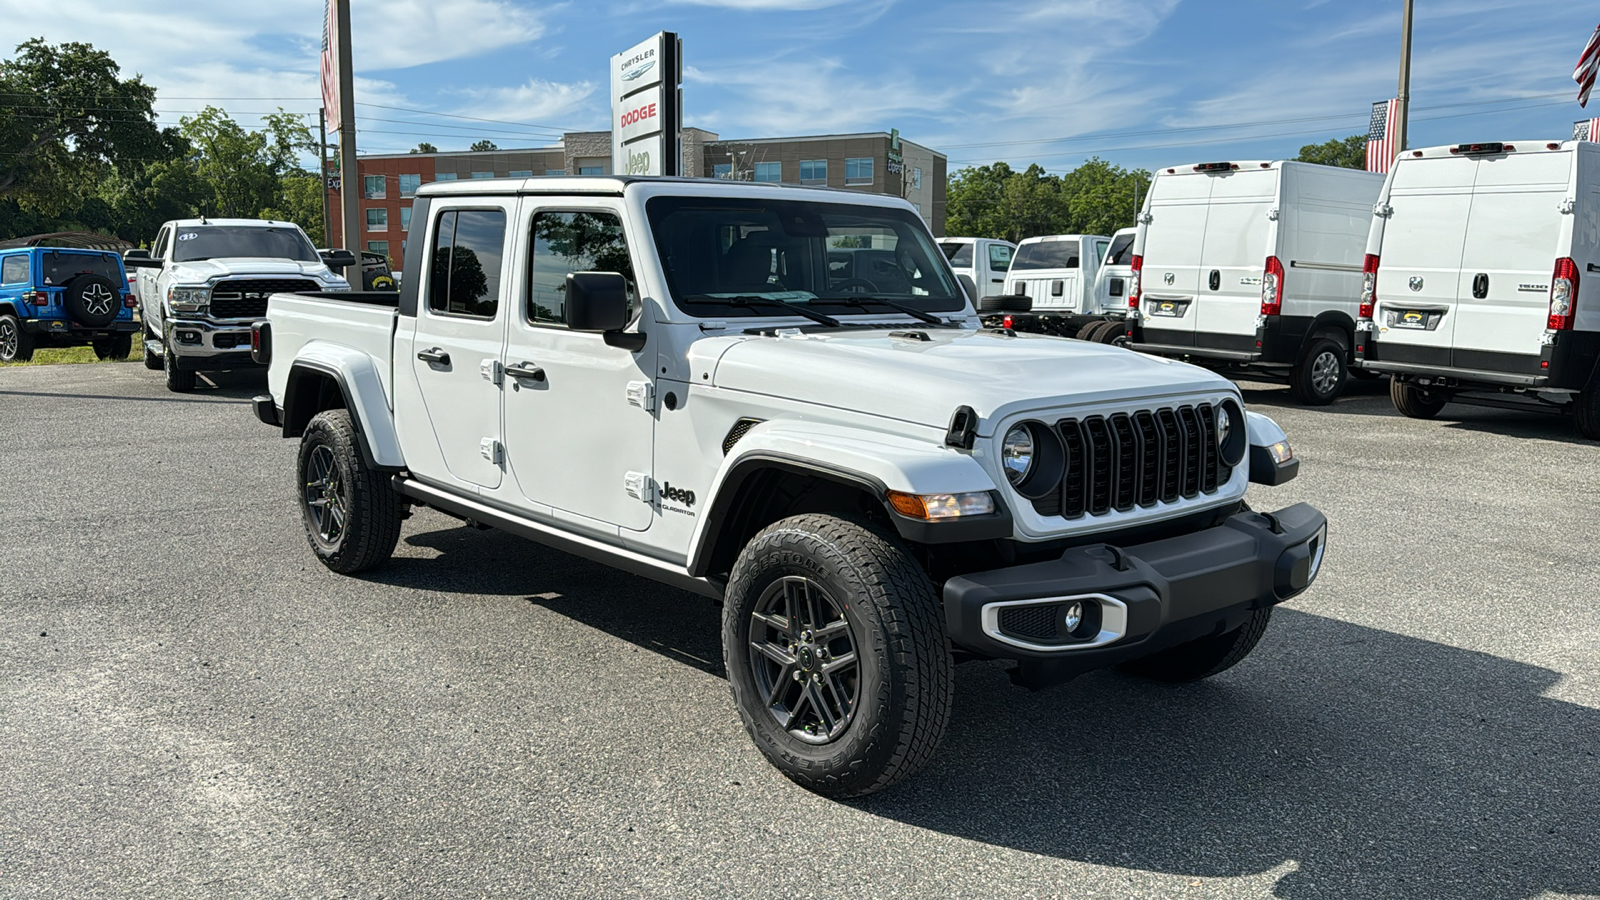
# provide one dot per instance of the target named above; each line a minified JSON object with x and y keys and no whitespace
{"x":1402,"y":108}
{"x":322,"y":170}
{"x":349,"y":176}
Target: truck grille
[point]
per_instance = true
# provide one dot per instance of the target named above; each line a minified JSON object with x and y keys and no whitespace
{"x":247,"y":298}
{"x":1124,"y":460}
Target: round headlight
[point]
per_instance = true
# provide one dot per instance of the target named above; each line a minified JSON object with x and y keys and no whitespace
{"x":1224,"y":425}
{"x":1016,"y":453}
{"x":1232,"y":439}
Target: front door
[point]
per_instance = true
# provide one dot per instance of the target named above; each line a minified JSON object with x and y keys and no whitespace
{"x":579,"y":428}
{"x":461,"y":335}
{"x":996,"y":264}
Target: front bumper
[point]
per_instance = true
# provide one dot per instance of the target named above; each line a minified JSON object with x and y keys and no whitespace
{"x":1139,"y":599}
{"x":206,"y":344}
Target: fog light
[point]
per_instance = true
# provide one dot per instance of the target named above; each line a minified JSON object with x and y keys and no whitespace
{"x":188,"y":337}
{"x":1073,"y":617}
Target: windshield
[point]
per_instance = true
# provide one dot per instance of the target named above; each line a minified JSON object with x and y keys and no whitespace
{"x":1046,"y":255}
{"x":61,"y":266}
{"x":827,"y":256}
{"x":1121,"y":252}
{"x":196,"y":242}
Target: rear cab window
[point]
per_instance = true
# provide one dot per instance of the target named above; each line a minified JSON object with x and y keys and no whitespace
{"x":1046,"y":255}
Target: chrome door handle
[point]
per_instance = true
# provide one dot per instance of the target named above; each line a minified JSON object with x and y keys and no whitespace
{"x":434,"y":355}
{"x":526,"y":370}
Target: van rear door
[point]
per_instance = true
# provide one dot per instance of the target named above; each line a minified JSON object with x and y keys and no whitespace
{"x":1511,"y":246}
{"x":1419,"y":270}
{"x":1236,"y":250}
{"x":1173,"y":241}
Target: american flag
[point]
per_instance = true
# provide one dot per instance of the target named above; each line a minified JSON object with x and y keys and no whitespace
{"x":1380,"y":136}
{"x":330,"y":73}
{"x":1586,"y":130}
{"x":1584,"y":73}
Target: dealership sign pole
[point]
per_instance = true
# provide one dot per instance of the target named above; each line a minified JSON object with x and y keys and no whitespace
{"x":647,"y":107}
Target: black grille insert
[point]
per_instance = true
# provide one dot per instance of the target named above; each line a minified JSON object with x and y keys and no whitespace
{"x":246,"y":298}
{"x":1037,"y":621}
{"x":1128,"y":460}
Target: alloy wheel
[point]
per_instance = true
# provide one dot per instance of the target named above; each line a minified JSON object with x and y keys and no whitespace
{"x":1325,"y":372}
{"x":8,"y":341}
{"x":324,"y":495}
{"x":804,"y":659}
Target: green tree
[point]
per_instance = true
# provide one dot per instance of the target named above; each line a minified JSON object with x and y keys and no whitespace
{"x":67,"y":120}
{"x":170,"y":189}
{"x":300,"y":202}
{"x":1101,"y":197}
{"x":425,"y":147}
{"x":996,"y":201}
{"x":1350,"y":152}
{"x":245,"y":169}
{"x":973,"y":200}
{"x":483,"y":145}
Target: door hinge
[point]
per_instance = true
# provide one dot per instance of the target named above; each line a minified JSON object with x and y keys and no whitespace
{"x":1272,"y":214}
{"x":642,"y":394}
{"x":639,"y":486}
{"x":1565,"y":207}
{"x":492,"y":450}
{"x":1382,"y":210}
{"x":493,"y":370}
{"x":1144,"y":218}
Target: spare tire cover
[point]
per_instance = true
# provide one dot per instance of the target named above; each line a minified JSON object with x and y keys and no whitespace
{"x":92,"y":301}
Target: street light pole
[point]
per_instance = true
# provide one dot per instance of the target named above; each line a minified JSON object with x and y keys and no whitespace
{"x":1402,"y":107}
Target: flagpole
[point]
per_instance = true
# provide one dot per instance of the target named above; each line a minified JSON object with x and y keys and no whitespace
{"x":349,"y":177}
{"x":1402,"y":109}
{"x":322,"y":172}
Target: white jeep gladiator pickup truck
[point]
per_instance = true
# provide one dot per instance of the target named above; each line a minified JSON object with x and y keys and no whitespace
{"x":205,"y":282}
{"x":671,"y":376}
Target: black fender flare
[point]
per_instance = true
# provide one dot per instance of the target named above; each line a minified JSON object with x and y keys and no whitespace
{"x":1332,"y":320}
{"x":304,"y":396}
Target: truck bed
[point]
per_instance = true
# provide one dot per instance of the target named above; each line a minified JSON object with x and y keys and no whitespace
{"x":346,"y":321}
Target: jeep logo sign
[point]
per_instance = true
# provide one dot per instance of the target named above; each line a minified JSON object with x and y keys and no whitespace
{"x":646,"y":107}
{"x":677,"y":495}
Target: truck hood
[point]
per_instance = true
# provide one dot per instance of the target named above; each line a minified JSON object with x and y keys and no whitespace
{"x":924,"y":381}
{"x":202,"y":270}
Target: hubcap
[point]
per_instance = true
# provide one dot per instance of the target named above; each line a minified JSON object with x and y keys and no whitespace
{"x":1325,"y":372}
{"x":804,"y":660}
{"x":324,"y":495}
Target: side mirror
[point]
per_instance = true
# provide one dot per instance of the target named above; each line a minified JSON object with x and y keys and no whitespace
{"x":140,"y":262}
{"x":337,"y":259}
{"x":597,"y":301}
{"x":136,"y":253}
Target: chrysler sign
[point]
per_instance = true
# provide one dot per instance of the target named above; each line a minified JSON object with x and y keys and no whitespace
{"x":646,"y":107}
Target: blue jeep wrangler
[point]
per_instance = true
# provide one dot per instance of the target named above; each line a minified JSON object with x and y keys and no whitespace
{"x":63,"y":297}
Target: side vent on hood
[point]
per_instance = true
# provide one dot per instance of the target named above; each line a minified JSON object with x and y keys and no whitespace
{"x":738,"y":431}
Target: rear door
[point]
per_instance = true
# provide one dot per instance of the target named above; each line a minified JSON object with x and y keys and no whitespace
{"x":1509,"y":253}
{"x":1238,"y":230}
{"x":1419,"y":269}
{"x":1174,"y":239}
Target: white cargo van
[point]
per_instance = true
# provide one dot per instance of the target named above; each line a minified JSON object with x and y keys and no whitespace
{"x":980,"y":264}
{"x":1254,"y":266}
{"x":1474,"y":263}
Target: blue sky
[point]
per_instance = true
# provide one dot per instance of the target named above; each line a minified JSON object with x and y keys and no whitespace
{"x":1142,"y":83}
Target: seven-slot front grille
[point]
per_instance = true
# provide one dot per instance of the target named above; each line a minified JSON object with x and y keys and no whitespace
{"x":1124,"y":460}
{"x":247,"y":299}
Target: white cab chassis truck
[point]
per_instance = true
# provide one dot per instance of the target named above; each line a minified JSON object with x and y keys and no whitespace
{"x":669,"y":376}
{"x":1474,"y":264}
{"x":205,"y":282}
{"x":980,"y":264}
{"x":1254,"y":267}
{"x":1059,"y":285}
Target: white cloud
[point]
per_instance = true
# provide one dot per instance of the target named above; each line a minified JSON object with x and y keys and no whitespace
{"x":538,"y":101}
{"x":399,"y":34}
{"x":768,"y":5}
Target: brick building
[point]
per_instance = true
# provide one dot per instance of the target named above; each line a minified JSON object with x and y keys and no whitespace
{"x":866,"y":162}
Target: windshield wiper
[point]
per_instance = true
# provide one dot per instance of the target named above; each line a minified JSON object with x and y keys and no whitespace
{"x":753,"y":300}
{"x":911,"y":311}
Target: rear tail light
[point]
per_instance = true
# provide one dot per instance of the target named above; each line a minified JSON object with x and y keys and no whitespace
{"x":129,"y":301}
{"x":1369,"y":285}
{"x":1272,"y":288}
{"x":1563,"y":295}
{"x":1007,"y":322}
{"x":1136,"y":283}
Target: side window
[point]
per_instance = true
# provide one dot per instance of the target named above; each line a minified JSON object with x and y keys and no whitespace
{"x":1100,"y":248}
{"x":565,"y":242}
{"x":999,"y":257}
{"x":159,"y":251}
{"x":15,"y":269}
{"x":464,"y":279}
{"x":962,"y":257}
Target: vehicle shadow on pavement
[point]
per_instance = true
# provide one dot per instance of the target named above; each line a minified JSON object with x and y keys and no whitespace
{"x":1371,"y":398}
{"x":1359,"y":762}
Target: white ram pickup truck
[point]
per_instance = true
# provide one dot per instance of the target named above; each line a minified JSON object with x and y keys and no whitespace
{"x":205,"y":282}
{"x":671,"y":377}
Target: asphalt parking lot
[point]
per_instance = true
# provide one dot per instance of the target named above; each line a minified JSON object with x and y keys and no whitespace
{"x":191,"y":706}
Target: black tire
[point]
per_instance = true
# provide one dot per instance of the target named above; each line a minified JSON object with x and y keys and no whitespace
{"x":152,"y":361}
{"x":1112,"y":332}
{"x":179,"y":381}
{"x":1319,"y":375}
{"x":1012,"y":303}
{"x":886,"y":712}
{"x":16,"y":345}
{"x":1086,"y":333}
{"x":351,"y":512}
{"x":116,"y":347}
{"x":1203,"y":657}
{"x":1413,"y":401}
{"x":92,"y":300}
{"x":1586,"y":411}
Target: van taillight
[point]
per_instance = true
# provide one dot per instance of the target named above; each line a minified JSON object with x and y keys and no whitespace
{"x":1563,"y":295}
{"x":1136,"y":282}
{"x":1272,"y":288}
{"x":1369,"y":285}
